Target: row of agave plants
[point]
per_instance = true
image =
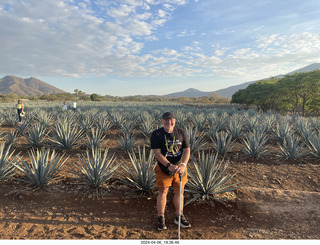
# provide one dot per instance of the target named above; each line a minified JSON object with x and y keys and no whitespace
{"x":292,"y":137}
{"x":211,"y":131}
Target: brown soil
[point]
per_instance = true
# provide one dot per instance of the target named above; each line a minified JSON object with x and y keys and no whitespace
{"x":279,"y":200}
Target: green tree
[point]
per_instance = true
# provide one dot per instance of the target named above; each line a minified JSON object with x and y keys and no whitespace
{"x":94,"y":97}
{"x":300,"y":92}
{"x":76,"y":92}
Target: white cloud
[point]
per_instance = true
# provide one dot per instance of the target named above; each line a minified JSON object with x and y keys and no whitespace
{"x":121,"y":11}
{"x":58,"y":38}
{"x":54,"y":37}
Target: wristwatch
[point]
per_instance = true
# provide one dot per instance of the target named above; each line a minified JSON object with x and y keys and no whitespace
{"x":168,"y":165}
{"x":184,"y":164}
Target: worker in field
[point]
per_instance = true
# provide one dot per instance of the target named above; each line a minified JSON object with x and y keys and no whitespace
{"x":20,"y":110}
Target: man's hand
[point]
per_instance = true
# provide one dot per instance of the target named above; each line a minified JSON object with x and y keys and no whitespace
{"x":181,"y":169}
{"x":173,"y":168}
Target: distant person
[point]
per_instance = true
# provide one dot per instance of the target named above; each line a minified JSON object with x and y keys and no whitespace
{"x":20,"y":110}
{"x":74,"y":106}
{"x":64,"y":106}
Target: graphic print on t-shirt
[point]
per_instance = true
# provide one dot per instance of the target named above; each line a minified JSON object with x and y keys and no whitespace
{"x":173,"y":147}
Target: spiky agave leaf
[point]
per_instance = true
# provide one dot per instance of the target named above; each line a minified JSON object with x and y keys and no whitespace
{"x":6,"y":161}
{"x":291,"y":148}
{"x":313,"y":144}
{"x":209,"y":177}
{"x":95,"y":140}
{"x":222,"y":142}
{"x":11,"y":138}
{"x":140,"y":174}
{"x":66,"y":135}
{"x":36,"y":135}
{"x":127,"y":141}
{"x":255,"y":144}
{"x":43,"y":168}
{"x":95,"y":168}
{"x":197,"y":142}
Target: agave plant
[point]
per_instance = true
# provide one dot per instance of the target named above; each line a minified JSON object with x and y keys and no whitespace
{"x":252,"y":123}
{"x":222,"y":142}
{"x":96,"y":168}
{"x":313,"y":144}
{"x":95,"y":140}
{"x":197,"y":142}
{"x":66,"y":135}
{"x":36,"y":135}
{"x":44,"y":167}
{"x":254,"y":144}
{"x":103,"y":124}
{"x":127,"y":127}
{"x":209,"y":178}
{"x":6,"y":162}
{"x":140,"y":174}
{"x":146,"y":124}
{"x":127,"y":141}
{"x":45,"y":119}
{"x":283,"y":128}
{"x":22,"y":128}
{"x":235,"y":126}
{"x":10,"y":118}
{"x":11,"y":138}
{"x":214,"y":127}
{"x":291,"y":148}
{"x":199,"y":120}
{"x":86,"y":122}
{"x":305,"y":128}
{"x":182,"y":119}
{"x":117,"y":119}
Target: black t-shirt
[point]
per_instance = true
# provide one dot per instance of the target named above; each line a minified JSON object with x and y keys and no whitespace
{"x":171,"y":144}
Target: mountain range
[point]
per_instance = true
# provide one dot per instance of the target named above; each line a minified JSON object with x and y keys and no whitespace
{"x":228,"y":92}
{"x":32,"y":86}
{"x":26,"y":87}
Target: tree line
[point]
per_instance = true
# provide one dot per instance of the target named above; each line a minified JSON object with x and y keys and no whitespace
{"x":295,"y":93}
{"x":213,"y":98}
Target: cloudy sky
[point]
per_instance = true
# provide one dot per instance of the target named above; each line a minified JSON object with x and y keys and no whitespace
{"x":131,"y":47}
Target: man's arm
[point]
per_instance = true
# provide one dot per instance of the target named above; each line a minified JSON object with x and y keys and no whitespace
{"x":163,"y":160}
{"x":184,"y":159}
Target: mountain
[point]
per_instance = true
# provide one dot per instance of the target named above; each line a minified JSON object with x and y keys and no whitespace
{"x":311,"y":67}
{"x":229,"y":91}
{"x":191,"y":92}
{"x":26,"y":87}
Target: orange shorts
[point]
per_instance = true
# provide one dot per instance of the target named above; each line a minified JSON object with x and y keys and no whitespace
{"x":164,"y":180}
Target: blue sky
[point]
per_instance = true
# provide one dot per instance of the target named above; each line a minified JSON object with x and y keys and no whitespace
{"x":156,"y":47}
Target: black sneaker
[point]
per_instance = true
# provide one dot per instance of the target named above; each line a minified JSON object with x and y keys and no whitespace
{"x":184,"y":223}
{"x":161,"y":224}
